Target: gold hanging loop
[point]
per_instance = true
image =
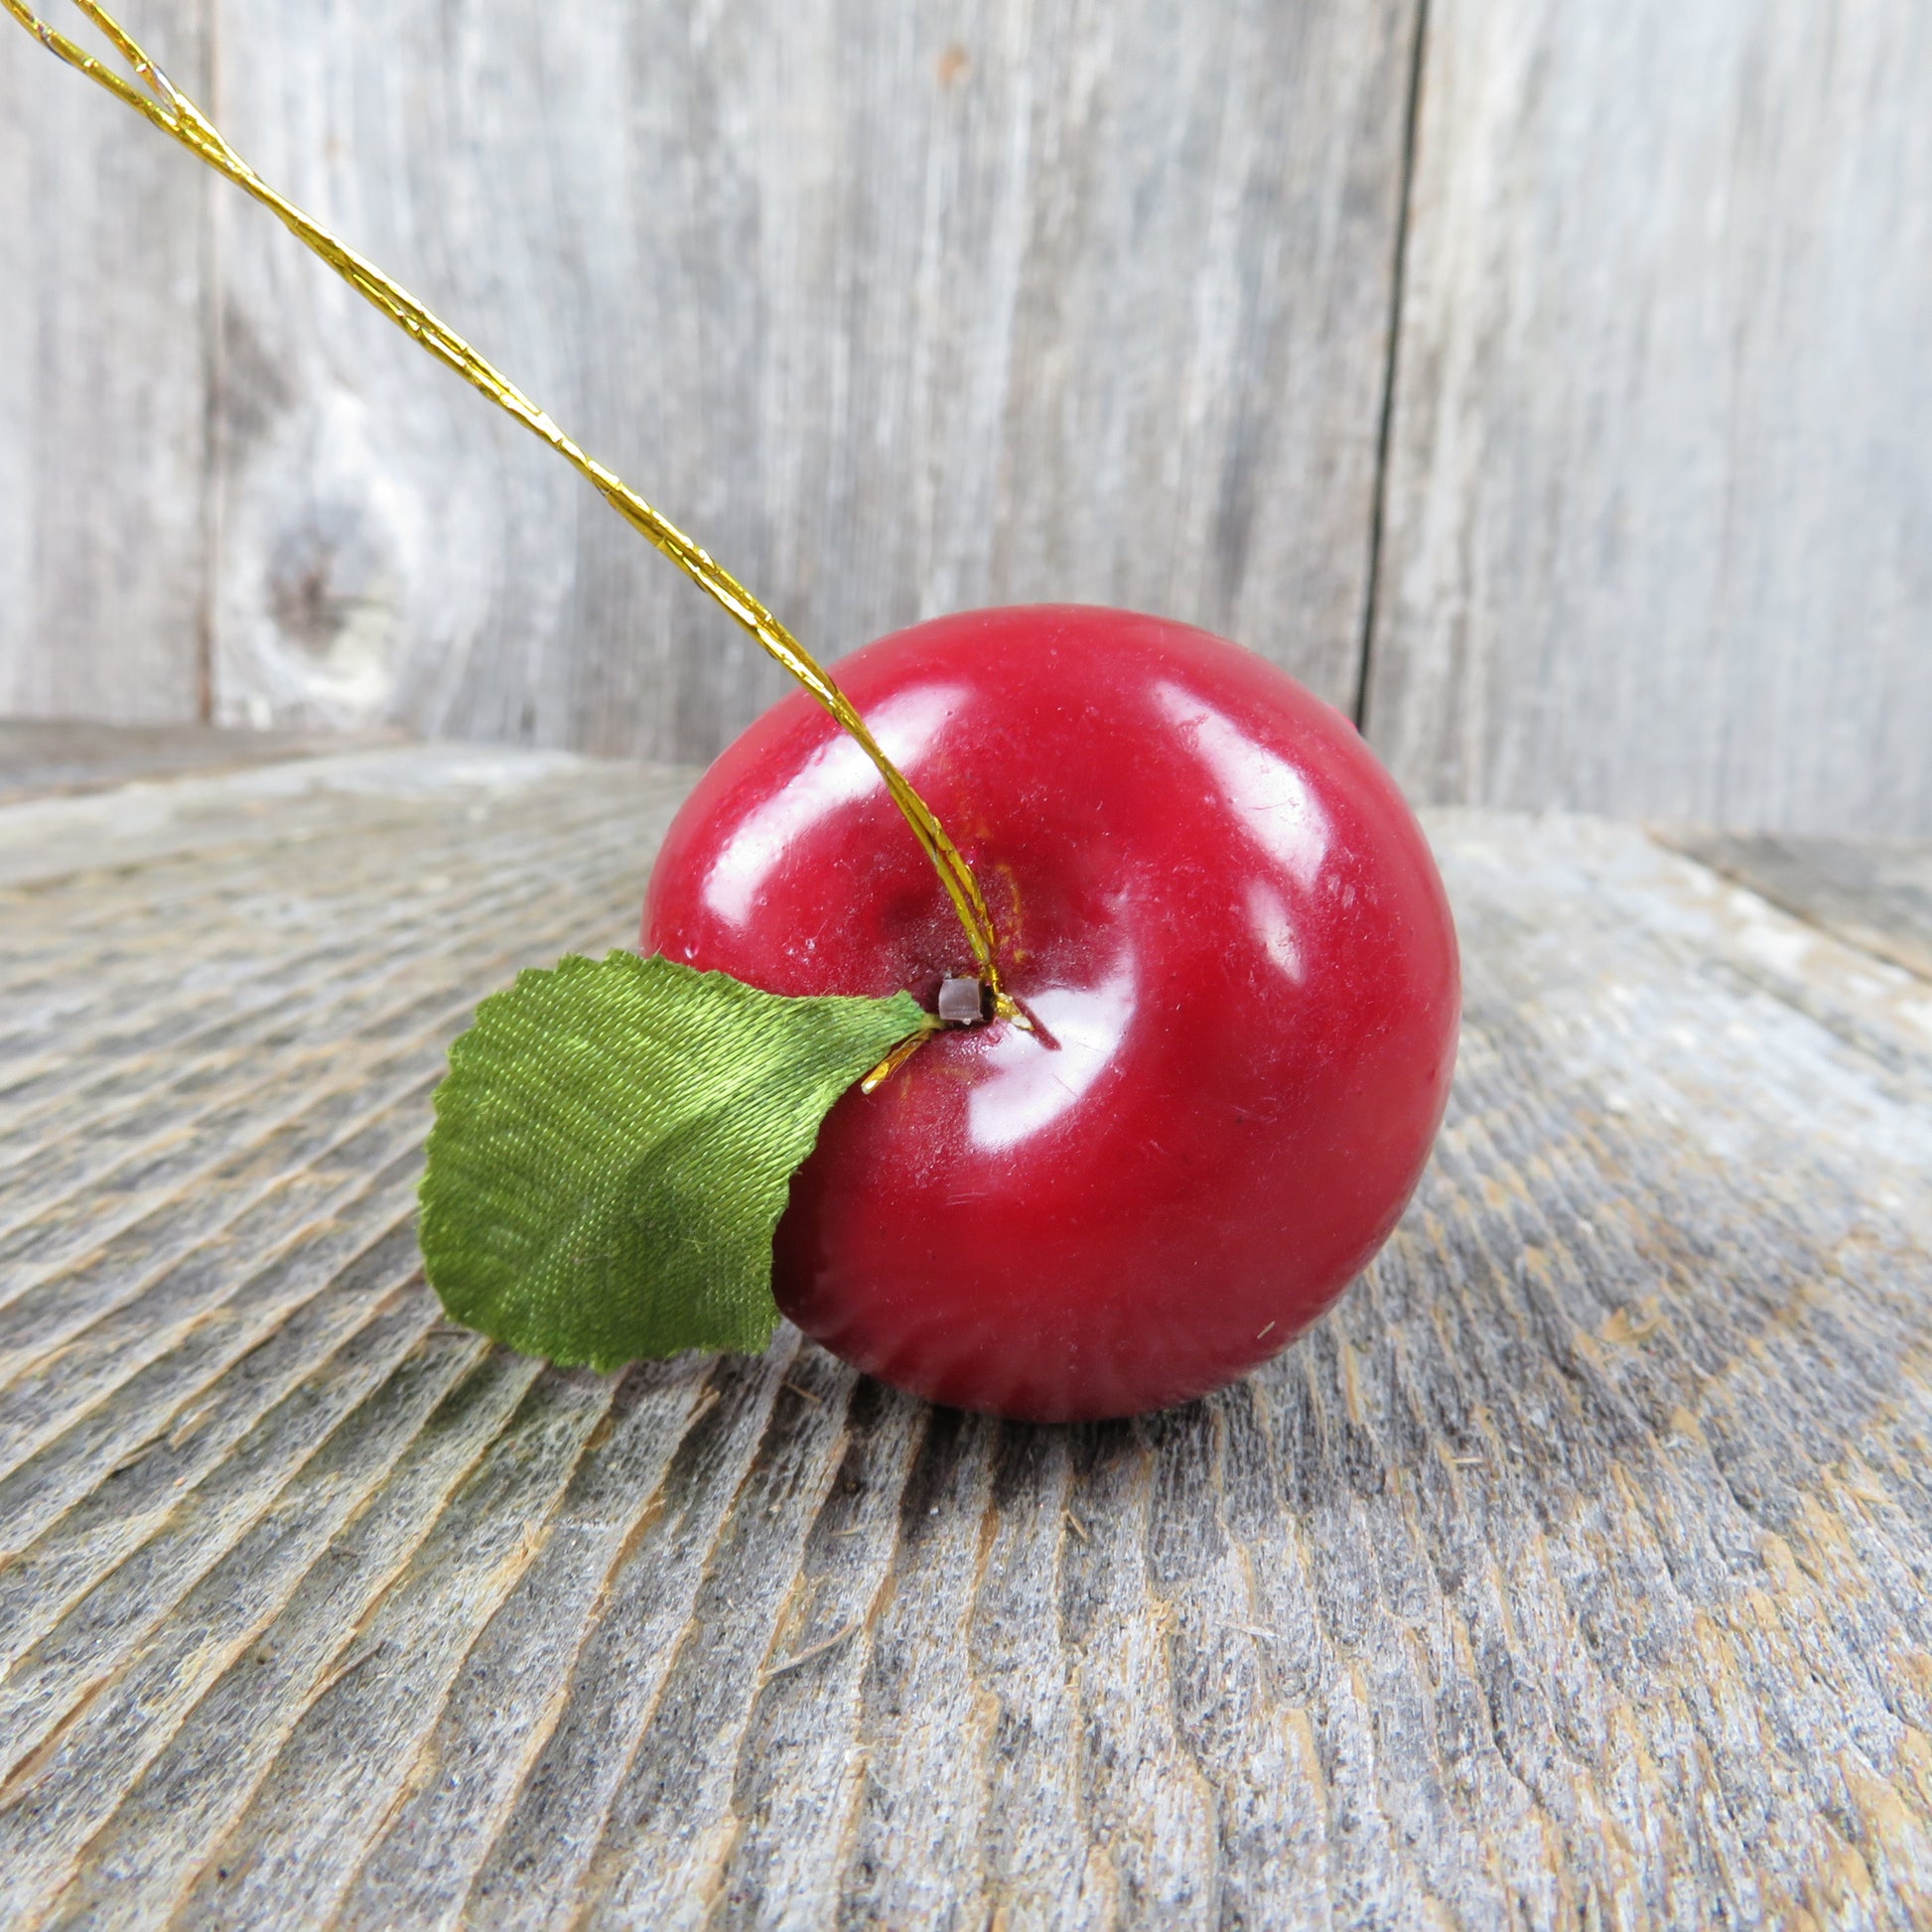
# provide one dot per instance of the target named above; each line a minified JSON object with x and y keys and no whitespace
{"x":163,"y":104}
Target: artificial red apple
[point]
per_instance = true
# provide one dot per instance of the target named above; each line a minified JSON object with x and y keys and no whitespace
{"x":1228,"y":929}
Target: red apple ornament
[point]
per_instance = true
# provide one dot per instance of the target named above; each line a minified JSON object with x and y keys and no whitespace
{"x":1225,"y":929}
{"x":1225,"y":925}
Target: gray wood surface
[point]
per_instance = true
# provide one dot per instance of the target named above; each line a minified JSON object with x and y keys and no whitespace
{"x":1573,"y":1572}
{"x":902,"y":309}
{"x":909,"y":309}
{"x":105,"y":546}
{"x":38,"y":757}
{"x":1659,"y":497}
{"x":1876,"y":892}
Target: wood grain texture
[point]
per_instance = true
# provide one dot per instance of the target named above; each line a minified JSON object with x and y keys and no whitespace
{"x":38,"y":757}
{"x":1659,"y":498}
{"x":1574,"y":1571}
{"x":900,"y":310}
{"x":105,"y":480}
{"x":908,"y":309}
{"x":1874,"y":893}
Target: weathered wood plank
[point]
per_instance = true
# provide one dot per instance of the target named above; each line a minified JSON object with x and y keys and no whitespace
{"x":105,"y":549}
{"x":72,"y":754}
{"x":1659,"y":498}
{"x":52,"y":838}
{"x":899,"y":310}
{"x":1876,"y":894}
{"x":977,"y":304}
{"x":1574,"y":1570}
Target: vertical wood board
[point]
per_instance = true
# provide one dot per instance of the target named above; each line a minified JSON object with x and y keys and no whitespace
{"x":899,"y":310}
{"x":905,"y":313}
{"x":1658,"y":533}
{"x":103,"y":392}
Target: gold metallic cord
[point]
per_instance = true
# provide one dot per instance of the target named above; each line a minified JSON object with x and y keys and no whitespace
{"x":900,"y":1054}
{"x":175,"y":115}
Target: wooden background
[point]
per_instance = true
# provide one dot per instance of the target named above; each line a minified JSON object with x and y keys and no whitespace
{"x":1548,"y":383}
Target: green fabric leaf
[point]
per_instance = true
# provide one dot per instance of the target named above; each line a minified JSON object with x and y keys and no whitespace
{"x":612,"y":1148}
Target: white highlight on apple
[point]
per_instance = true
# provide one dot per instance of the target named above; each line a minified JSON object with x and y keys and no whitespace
{"x":837,"y":773}
{"x":1270,"y":798}
{"x":1028,"y":1085}
{"x":1269,"y":920}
